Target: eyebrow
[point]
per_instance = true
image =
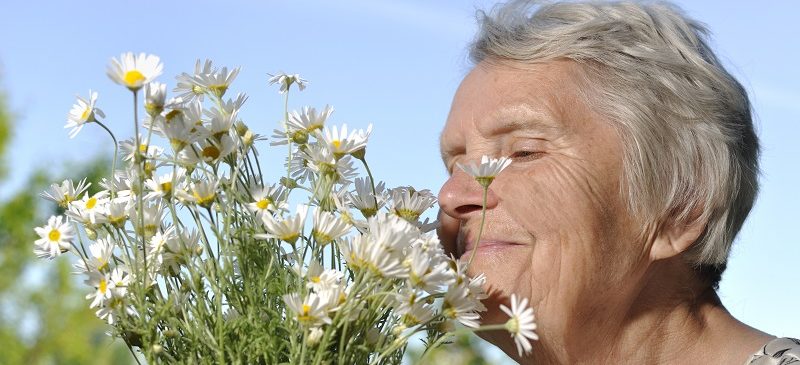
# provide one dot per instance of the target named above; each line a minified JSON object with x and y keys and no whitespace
{"x":519,"y":116}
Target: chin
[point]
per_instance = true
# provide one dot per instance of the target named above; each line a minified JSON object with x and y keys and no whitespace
{"x":507,"y":271}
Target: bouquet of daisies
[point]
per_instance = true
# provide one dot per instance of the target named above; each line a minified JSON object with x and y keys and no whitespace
{"x":194,"y":252}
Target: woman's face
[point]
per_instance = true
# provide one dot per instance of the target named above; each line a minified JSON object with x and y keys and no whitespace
{"x":557,"y":228}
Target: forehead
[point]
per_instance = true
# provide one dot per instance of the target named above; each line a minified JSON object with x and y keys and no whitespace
{"x":497,"y":97}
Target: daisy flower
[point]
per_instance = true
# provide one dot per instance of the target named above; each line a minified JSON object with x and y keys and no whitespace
{"x":103,"y":286}
{"x":216,"y":82}
{"x":151,"y":218}
{"x":100,"y":254}
{"x":266,"y":199}
{"x":363,"y":199}
{"x":320,"y":279}
{"x":310,"y":311}
{"x":286,"y":80}
{"x":328,"y":227}
{"x":521,"y":324}
{"x":425,"y":272}
{"x":409,"y":203}
{"x":83,"y":112}
{"x":133,"y":71}
{"x":127,"y":148}
{"x":117,"y":211}
{"x":203,"y":192}
{"x":54,"y":238}
{"x":288,"y":229}
{"x":212,"y":151}
{"x":460,"y":305}
{"x":366,"y":253}
{"x":155,"y":96}
{"x":487,"y":170}
{"x":188,"y":87}
{"x":342,"y":143}
{"x":92,"y":207}
{"x":161,"y":187}
{"x":66,"y":192}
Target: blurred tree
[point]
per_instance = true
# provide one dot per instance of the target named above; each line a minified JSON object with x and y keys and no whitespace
{"x":44,"y":317}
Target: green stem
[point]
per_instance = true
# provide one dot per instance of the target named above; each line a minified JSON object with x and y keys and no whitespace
{"x":480,"y":230}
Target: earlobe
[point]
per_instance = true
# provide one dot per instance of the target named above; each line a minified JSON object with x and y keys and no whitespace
{"x":674,"y":239}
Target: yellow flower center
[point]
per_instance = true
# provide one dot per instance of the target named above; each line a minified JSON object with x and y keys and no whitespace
{"x":166,"y":187}
{"x":336,"y":144}
{"x":172,"y":114}
{"x":133,"y":78}
{"x":103,"y":286}
{"x":54,"y":235}
{"x":91,"y":203}
{"x":263,"y":204}
{"x":211,"y":152}
{"x":86,"y":113}
{"x":306,"y":309}
{"x":315,"y":279}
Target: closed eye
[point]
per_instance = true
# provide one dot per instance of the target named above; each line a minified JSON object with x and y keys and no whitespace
{"x":526,"y":155}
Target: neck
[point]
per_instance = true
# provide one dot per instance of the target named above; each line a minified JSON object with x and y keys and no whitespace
{"x":670,"y":317}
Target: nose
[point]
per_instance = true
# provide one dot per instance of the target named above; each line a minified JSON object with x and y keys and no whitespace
{"x":462,"y":197}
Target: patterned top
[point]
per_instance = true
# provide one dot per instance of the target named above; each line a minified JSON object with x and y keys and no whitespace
{"x":780,"y":351}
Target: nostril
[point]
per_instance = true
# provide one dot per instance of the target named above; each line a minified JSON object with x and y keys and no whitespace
{"x":468,"y":208}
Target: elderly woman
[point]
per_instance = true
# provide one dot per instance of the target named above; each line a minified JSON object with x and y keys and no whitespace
{"x":634,"y":166}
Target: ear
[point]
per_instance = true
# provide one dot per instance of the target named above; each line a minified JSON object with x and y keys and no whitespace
{"x":675,"y":238}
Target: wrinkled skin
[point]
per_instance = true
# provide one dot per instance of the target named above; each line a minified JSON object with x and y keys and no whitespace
{"x":558,"y":230}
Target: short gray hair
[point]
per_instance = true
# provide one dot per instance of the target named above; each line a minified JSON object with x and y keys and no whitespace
{"x":690,"y":148}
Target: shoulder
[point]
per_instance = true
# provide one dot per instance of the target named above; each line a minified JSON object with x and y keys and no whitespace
{"x":780,"y":351}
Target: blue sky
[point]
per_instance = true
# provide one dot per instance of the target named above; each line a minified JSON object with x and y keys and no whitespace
{"x":391,"y":63}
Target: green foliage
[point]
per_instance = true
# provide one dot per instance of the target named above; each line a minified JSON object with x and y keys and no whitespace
{"x":44,"y":318}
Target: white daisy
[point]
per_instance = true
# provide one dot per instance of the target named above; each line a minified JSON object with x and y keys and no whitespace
{"x":285,"y":81}
{"x":426,"y":272}
{"x":288,"y":229}
{"x":92,"y":207}
{"x":133,"y":71}
{"x":364,"y":200}
{"x":309,"y":311}
{"x":162,"y":186}
{"x":342,"y":143}
{"x":266,"y":199}
{"x":320,"y":279}
{"x":217,"y":81}
{"x":409,"y":203}
{"x":363,"y":252}
{"x":460,"y":305}
{"x":54,"y":238}
{"x":212,"y":151}
{"x":152,"y":213}
{"x":521,"y":324}
{"x":128,"y":148}
{"x":188,"y":87}
{"x":103,"y":286}
{"x":155,"y":96}
{"x":328,"y":227}
{"x":100,"y":254}
{"x":180,"y":250}
{"x":487,"y":170}
{"x":83,"y":112}
{"x":66,"y":192}
{"x":117,"y":211}
{"x":202,"y":192}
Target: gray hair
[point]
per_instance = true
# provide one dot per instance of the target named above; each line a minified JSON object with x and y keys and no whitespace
{"x":691,"y":152}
